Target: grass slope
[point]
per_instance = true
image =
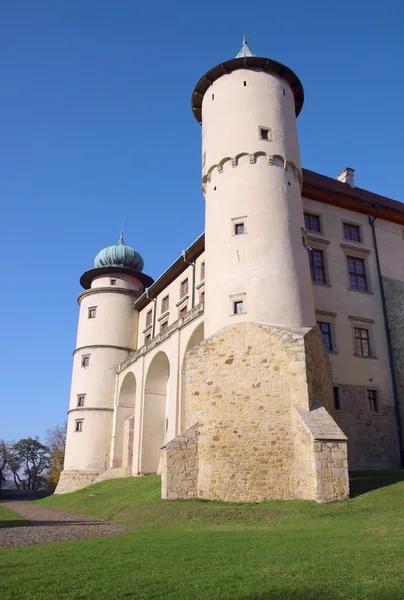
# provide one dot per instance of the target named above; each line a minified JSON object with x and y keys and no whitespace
{"x":8,"y":518}
{"x":210,"y":550}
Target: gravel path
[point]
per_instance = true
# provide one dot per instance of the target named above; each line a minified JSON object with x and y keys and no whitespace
{"x":53,"y":525}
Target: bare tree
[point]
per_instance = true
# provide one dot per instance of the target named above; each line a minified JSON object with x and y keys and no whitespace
{"x":4,"y":461}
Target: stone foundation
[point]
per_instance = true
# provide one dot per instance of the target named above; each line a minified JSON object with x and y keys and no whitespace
{"x":70,"y":481}
{"x":259,"y":435}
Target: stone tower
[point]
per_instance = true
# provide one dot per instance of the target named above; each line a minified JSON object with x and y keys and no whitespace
{"x":254,"y":240}
{"x":258,"y":390}
{"x":107,"y":332}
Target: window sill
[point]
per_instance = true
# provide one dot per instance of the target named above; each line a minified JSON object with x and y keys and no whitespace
{"x":163,"y":316}
{"x":322,"y":284}
{"x":183,"y":299}
{"x":360,"y":291}
{"x":148,"y":327}
{"x":362,"y":356}
{"x":238,"y":314}
{"x":200,"y":284}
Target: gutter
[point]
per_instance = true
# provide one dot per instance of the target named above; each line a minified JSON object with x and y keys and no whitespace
{"x":388,"y":338}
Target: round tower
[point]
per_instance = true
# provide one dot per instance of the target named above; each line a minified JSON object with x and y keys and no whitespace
{"x":107,"y":332}
{"x":256,"y":261}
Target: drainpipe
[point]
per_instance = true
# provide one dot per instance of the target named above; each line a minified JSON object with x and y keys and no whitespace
{"x":388,"y":338}
{"x":193,"y":265}
{"x":154,"y":311}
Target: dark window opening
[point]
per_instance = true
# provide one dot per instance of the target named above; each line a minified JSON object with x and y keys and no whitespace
{"x":317,"y":267}
{"x":312,"y":222}
{"x":238,"y":307}
{"x":373,"y":401}
{"x":325,"y":329}
{"x":362,"y":341}
{"x":337,"y":398}
{"x":239,"y":228}
{"x":357,"y":274}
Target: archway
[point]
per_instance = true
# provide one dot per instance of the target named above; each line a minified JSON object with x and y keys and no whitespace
{"x":154,"y":413}
{"x":124,"y":425}
{"x":197,"y":337}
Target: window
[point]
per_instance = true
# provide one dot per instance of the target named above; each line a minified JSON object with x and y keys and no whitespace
{"x":85,"y":361}
{"x":337,"y":398}
{"x":202,"y":271}
{"x":183,"y":311}
{"x":91,"y":312}
{"x":325,"y":329}
{"x":352,"y":232}
{"x":112,"y":281}
{"x":312,"y":222}
{"x":202,"y":297}
{"x":238,"y":307}
{"x":165,"y":304}
{"x":357,"y":273}
{"x":147,"y":338}
{"x":265,"y":134}
{"x":373,"y":401}
{"x":317,"y":268}
{"x":184,"y":288}
{"x":239,"y":228}
{"x":164,"y":326}
{"x":81,"y":398}
{"x":362,"y":341}
{"x":149,"y":317}
{"x":78,"y":426}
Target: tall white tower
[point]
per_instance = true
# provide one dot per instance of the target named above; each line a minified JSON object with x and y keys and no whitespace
{"x":256,"y":261}
{"x":107,"y":332}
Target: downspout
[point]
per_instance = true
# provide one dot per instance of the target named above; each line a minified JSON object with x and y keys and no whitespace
{"x":193,"y":265}
{"x":388,"y":338}
{"x":154,"y":311}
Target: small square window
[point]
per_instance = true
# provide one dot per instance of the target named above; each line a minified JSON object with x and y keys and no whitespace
{"x":81,"y":398}
{"x":183,"y":311}
{"x":337,"y":398}
{"x":85,"y":361}
{"x":165,"y":304}
{"x":312,"y":222}
{"x":78,"y":426}
{"x":265,"y":134}
{"x":147,"y":339}
{"x":238,"y":307}
{"x":352,"y":232}
{"x":149,"y":317}
{"x":202,"y":271}
{"x":112,"y":281}
{"x":164,"y":326}
{"x":373,"y":401}
{"x":184,"y":288}
{"x":91,"y":312}
{"x":325,"y":329}
{"x":362,"y":341}
{"x":239,"y":228}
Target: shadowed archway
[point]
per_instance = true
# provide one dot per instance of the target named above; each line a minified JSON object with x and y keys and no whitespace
{"x":123,"y":449}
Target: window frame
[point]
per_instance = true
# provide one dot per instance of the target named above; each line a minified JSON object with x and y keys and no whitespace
{"x":112,"y":281}
{"x":79,"y":404}
{"x":202,"y":271}
{"x":239,"y":221}
{"x":165,"y":303}
{"x":183,"y":311}
{"x":149,"y":318}
{"x":337,"y":397}
{"x":351,"y":224}
{"x":182,"y":288}
{"x":78,"y":425}
{"x":164,"y":326}
{"x":331,"y":347}
{"x":268,"y":132}
{"x":85,"y":358}
{"x":90,"y":310}
{"x":358,"y":351}
{"x":357,"y":275}
{"x":369,"y":401}
{"x":318,"y":216}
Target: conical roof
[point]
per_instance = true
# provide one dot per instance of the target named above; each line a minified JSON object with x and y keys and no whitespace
{"x":245,"y":51}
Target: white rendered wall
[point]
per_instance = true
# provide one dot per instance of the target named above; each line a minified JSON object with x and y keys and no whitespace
{"x":106,"y":339}
{"x":268,"y":265}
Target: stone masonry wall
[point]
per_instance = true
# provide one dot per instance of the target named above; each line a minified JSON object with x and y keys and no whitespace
{"x":241,"y":387}
{"x":70,"y":481}
{"x":181,"y":454}
{"x":372,"y":437}
{"x":128,"y":436}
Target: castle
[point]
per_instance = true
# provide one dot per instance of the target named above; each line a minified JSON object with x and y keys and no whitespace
{"x":269,"y":357}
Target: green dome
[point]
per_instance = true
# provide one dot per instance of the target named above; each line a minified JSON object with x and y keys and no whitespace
{"x":119,"y":255}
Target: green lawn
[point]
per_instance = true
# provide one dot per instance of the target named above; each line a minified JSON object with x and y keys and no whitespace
{"x":8,"y":518}
{"x":186,"y":550}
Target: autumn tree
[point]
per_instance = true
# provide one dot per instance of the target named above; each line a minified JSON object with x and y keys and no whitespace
{"x":56,"y":441}
{"x":28,"y":460}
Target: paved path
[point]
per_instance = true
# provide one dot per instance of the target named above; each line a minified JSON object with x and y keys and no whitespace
{"x":53,"y":525}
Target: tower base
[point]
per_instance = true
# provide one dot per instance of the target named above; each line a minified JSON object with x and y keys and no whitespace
{"x":259,"y":402}
{"x":70,"y":481}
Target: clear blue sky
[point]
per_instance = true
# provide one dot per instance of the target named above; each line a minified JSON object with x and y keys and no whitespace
{"x":96,"y":125}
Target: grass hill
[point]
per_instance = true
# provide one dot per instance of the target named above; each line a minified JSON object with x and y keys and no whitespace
{"x":180,"y":550}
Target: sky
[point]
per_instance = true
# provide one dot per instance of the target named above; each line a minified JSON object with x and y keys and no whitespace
{"x":96,"y":127}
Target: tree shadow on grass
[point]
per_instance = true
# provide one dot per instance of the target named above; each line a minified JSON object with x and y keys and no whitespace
{"x":313,"y":594}
{"x":13,"y":523}
{"x":362,"y":482}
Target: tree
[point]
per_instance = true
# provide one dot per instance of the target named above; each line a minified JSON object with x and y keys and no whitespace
{"x":4,"y":461}
{"x":28,"y":459}
{"x":56,"y":441}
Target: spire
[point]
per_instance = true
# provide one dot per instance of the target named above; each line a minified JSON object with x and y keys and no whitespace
{"x":121,"y":241}
{"x":245,"y":51}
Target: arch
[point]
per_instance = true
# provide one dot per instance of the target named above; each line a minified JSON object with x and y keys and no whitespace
{"x":123,"y":442}
{"x":197,"y":337}
{"x":154,"y":412}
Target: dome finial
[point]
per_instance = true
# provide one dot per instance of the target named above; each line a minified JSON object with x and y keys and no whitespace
{"x":245,"y":51}
{"x":121,"y":241}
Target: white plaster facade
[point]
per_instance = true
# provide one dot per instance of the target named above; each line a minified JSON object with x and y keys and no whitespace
{"x":138,"y":338}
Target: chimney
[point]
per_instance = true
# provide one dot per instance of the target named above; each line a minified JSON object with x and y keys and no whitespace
{"x":347,"y":176}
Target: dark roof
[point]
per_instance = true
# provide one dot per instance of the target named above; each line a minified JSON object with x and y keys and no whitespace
{"x":248,"y":62}
{"x":88,"y":276}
